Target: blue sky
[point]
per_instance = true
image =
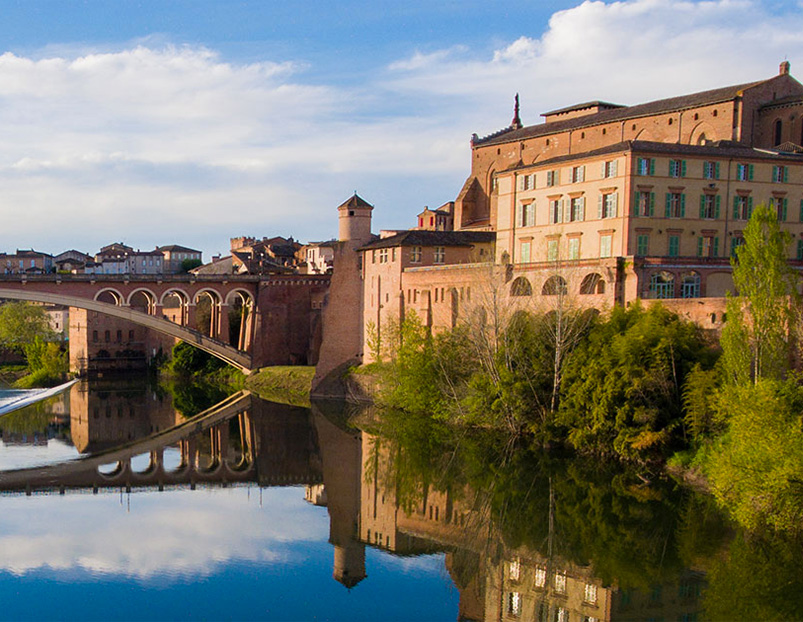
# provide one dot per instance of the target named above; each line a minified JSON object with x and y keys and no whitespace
{"x":158,"y":122}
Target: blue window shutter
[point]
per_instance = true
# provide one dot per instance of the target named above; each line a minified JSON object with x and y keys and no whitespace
{"x":668,"y":204}
{"x":683,"y":205}
{"x":716,"y":206}
{"x":652,"y":203}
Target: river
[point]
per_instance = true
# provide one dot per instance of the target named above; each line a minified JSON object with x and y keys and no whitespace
{"x":128,"y":500}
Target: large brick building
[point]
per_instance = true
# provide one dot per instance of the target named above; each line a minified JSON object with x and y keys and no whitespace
{"x":605,"y":203}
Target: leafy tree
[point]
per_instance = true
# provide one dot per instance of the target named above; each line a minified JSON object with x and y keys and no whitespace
{"x":756,"y":337}
{"x":21,"y":323}
{"x":189,"y":264}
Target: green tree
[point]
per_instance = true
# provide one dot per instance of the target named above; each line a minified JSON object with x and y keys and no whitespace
{"x":756,"y":338}
{"x":21,"y":323}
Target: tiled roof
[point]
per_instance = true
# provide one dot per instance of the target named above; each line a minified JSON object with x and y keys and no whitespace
{"x":416,"y":237}
{"x":660,"y":106}
{"x":355,"y":201}
{"x":175,"y":248}
{"x":593,"y":104}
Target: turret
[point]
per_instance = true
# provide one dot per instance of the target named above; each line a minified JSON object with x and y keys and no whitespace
{"x":355,"y":221}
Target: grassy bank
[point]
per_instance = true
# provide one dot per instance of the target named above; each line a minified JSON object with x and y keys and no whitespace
{"x":283,"y":384}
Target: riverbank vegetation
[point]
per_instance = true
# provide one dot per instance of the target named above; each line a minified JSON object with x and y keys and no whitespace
{"x":637,"y":385}
{"x":25,"y":329}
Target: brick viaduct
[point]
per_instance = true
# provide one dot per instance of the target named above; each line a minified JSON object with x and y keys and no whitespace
{"x":279,"y":314}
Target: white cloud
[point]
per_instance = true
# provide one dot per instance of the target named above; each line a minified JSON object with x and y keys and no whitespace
{"x":166,"y":144}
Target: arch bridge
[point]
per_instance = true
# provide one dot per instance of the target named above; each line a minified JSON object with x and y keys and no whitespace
{"x":227,"y":316}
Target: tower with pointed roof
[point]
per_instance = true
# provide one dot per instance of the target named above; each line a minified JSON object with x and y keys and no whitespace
{"x":354,"y":217}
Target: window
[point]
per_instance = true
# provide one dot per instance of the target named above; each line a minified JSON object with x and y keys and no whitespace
{"x":514,"y":603}
{"x":94,"y":335}
{"x":642,"y":244}
{"x":526,"y":248}
{"x":690,"y":286}
{"x":578,"y":174}
{"x":742,"y":207}
{"x":645,"y":166}
{"x":609,"y":168}
{"x":778,"y":131}
{"x":383,"y":255}
{"x":674,"y":245}
{"x":709,"y":206}
{"x":560,"y":583}
{"x":736,"y":242}
{"x":707,"y":246}
{"x":561,"y":614}
{"x":373,"y":256}
{"x":574,"y":248}
{"x":590,"y":595}
{"x":710,"y":170}
{"x":440,"y":254}
{"x":552,"y":250}
{"x":675,"y":205}
{"x":607,"y":205}
{"x":605,"y":246}
{"x":744,"y":172}
{"x":555,"y":209}
{"x":540,"y":577}
{"x":415,"y":254}
{"x":662,"y":285}
{"x":677,"y":168}
{"x":525,"y":216}
{"x":552,"y":178}
{"x":778,"y":205}
{"x":514,"y":570}
{"x":644,"y":203}
{"x":780,"y":174}
{"x":393,"y":254}
{"x":578,"y":209}
{"x":527,"y":182}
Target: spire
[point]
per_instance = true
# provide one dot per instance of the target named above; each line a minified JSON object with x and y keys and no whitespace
{"x":516,"y":122}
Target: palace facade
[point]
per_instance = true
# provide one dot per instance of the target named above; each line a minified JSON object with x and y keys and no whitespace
{"x":602,"y":202}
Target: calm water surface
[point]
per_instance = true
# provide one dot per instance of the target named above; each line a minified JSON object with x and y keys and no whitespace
{"x":127,"y":501}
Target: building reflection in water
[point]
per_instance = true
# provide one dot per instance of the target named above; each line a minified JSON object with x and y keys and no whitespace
{"x":246,"y":440}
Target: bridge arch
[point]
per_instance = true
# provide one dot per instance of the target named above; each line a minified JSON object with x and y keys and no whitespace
{"x":110,"y":295}
{"x":136,"y":296}
{"x":178,"y":293}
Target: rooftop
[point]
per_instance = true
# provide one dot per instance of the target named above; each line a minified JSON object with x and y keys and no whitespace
{"x":417,"y":237}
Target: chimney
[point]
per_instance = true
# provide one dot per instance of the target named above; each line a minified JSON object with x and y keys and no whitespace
{"x":784,"y":69}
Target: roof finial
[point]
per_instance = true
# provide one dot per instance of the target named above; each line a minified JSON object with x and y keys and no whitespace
{"x":516,"y":122}
{"x":784,"y":68}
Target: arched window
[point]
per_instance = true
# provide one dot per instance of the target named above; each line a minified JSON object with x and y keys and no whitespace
{"x":592,"y":284}
{"x":521,"y":287}
{"x":777,"y":132}
{"x":662,"y":285}
{"x":555,"y":285}
{"x":690,"y":286}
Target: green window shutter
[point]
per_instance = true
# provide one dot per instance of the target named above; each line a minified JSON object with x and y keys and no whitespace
{"x":786,"y":174}
{"x":750,"y":172}
{"x":652,"y":166}
{"x":599,"y":207}
{"x":652,"y":204}
{"x":716,"y":247}
{"x":699,"y":247}
{"x":636,"y":196}
{"x":702,"y":206}
{"x":716,"y":206}
{"x":783,"y":209}
{"x":716,"y":170}
{"x":775,"y":173}
{"x":800,"y":249}
{"x":801,"y":210}
{"x":749,"y":207}
{"x":683,"y":168}
{"x":736,"y":208}
{"x":683,"y":205}
{"x":668,"y":204}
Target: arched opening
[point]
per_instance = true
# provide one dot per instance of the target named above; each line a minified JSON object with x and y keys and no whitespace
{"x":455,"y":306}
{"x":241,"y":319}
{"x":777,"y":132}
{"x":662,"y":285}
{"x":521,"y":287}
{"x":109,"y":296}
{"x":142,"y":301}
{"x":554,"y":286}
{"x":174,"y":307}
{"x":207,"y":313}
{"x":690,"y":285}
{"x":592,"y":284}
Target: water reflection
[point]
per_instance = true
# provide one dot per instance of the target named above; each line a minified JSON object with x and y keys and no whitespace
{"x":395,"y":509}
